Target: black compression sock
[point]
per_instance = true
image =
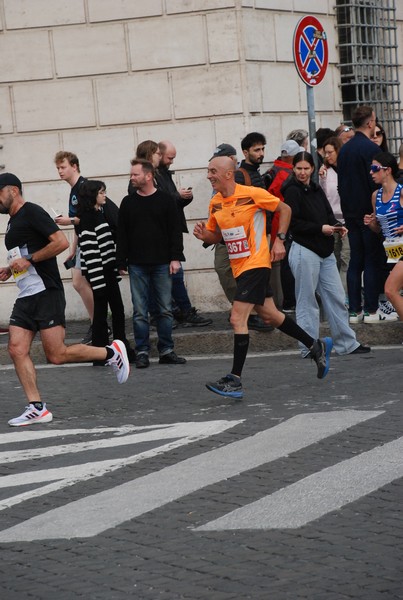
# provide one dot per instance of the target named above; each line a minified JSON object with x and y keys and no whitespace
{"x":109,"y":353}
{"x":241,"y":345}
{"x":290,"y":327}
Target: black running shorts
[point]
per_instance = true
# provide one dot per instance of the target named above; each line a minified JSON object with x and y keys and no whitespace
{"x":40,"y":311}
{"x":253,"y":286}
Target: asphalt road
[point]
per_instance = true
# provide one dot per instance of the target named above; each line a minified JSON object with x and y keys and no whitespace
{"x":159,"y":489}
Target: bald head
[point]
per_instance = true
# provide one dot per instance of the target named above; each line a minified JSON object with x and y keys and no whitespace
{"x":168,"y":153}
{"x":224,"y":163}
{"x":220,"y":173}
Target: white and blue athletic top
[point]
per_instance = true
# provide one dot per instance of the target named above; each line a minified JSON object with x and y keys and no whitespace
{"x":389,"y":214}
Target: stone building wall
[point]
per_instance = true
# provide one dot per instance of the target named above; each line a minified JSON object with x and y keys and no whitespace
{"x":98,"y":76}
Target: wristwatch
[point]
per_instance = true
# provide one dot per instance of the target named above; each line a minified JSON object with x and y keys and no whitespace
{"x":28,"y":257}
{"x":281,"y":236}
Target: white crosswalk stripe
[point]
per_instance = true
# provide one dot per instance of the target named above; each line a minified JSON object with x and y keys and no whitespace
{"x":92,"y":515}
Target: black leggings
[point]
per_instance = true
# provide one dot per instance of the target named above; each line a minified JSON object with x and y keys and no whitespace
{"x":110,"y":295}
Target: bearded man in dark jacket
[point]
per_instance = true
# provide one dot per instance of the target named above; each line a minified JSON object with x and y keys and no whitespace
{"x":184,"y":312}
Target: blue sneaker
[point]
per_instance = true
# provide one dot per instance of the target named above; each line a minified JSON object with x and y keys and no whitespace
{"x":320,"y":352}
{"x":229,"y":386}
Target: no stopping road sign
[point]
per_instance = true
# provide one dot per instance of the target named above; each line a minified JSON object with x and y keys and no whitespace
{"x":310,"y":50}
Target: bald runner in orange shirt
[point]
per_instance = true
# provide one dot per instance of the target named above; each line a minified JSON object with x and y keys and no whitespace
{"x":237,"y":213}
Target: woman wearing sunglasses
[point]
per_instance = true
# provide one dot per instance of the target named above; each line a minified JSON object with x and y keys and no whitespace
{"x":379,"y":137}
{"x":387,"y":217}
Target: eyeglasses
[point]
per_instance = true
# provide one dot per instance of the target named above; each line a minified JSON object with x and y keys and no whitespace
{"x":378,"y":133}
{"x":377,"y":168}
{"x":346,"y":129}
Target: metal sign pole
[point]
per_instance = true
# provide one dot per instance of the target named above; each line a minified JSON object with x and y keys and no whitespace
{"x":311,"y":56}
{"x":310,"y":100}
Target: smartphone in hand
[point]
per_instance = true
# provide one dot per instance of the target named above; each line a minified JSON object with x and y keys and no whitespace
{"x":56,"y":213}
{"x":69,"y":263}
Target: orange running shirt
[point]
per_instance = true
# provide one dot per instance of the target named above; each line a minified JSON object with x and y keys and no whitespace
{"x":242,"y":221}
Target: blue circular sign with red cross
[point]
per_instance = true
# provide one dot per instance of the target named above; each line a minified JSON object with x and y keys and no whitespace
{"x":310,"y":50}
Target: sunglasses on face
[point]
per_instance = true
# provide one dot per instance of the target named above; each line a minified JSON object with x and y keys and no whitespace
{"x":346,"y":129}
{"x":377,"y":168}
{"x":378,"y":133}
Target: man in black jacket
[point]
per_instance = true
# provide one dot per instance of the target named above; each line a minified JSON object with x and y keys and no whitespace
{"x":355,"y":186}
{"x":184,"y":312}
{"x":253,"y":146}
{"x":149,"y":247}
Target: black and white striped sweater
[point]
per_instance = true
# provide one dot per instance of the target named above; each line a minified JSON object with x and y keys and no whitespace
{"x":98,"y":251}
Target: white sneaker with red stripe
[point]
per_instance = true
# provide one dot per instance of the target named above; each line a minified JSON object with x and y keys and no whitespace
{"x":32,"y":415}
{"x":119,"y":361}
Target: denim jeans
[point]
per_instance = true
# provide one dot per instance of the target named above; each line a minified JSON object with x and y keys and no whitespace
{"x":180,"y":298}
{"x":157,"y":280}
{"x":315,"y":274}
{"x":180,"y":293}
{"x":366,"y":256}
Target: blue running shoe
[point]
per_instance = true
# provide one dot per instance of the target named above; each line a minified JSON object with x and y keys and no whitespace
{"x":229,"y":386}
{"x":320,"y":352}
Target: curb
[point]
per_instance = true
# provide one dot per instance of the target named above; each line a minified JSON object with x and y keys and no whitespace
{"x":219,"y":339}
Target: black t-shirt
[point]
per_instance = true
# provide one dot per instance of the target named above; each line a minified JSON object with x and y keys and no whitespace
{"x":29,"y":230}
{"x":73,"y":198}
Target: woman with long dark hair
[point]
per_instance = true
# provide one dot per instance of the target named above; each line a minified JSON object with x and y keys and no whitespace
{"x":98,"y":256}
{"x":312,"y":259}
{"x":379,"y":137}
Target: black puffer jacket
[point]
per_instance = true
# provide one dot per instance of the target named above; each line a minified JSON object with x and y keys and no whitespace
{"x":254,"y":174}
{"x":310,"y":211}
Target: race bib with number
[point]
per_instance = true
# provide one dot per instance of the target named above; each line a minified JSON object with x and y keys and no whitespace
{"x":236,"y":241}
{"x":12,"y":255}
{"x":394,"y":249}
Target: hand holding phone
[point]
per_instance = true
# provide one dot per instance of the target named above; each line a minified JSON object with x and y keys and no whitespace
{"x":69,"y":263}
{"x":56,"y":213}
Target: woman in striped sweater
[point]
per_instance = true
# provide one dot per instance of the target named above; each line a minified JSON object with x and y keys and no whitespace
{"x":98,"y":256}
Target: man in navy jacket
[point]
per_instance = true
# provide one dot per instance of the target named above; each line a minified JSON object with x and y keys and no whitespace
{"x":355,"y":188}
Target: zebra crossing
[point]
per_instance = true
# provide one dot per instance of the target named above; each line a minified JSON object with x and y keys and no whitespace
{"x":292,"y":506}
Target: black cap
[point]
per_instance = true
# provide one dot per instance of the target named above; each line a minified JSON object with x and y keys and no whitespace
{"x":224,"y":150}
{"x":9,"y":179}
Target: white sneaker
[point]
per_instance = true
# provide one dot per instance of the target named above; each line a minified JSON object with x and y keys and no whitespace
{"x":387,"y":309}
{"x":378,"y":317}
{"x":32,"y":415}
{"x":119,"y":361}
{"x":355,"y":317}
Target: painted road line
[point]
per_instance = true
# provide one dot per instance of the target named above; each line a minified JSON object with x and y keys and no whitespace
{"x":40,"y":434}
{"x":172,"y":431}
{"x":180,"y":434}
{"x":309,"y":499}
{"x":92,"y":515}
